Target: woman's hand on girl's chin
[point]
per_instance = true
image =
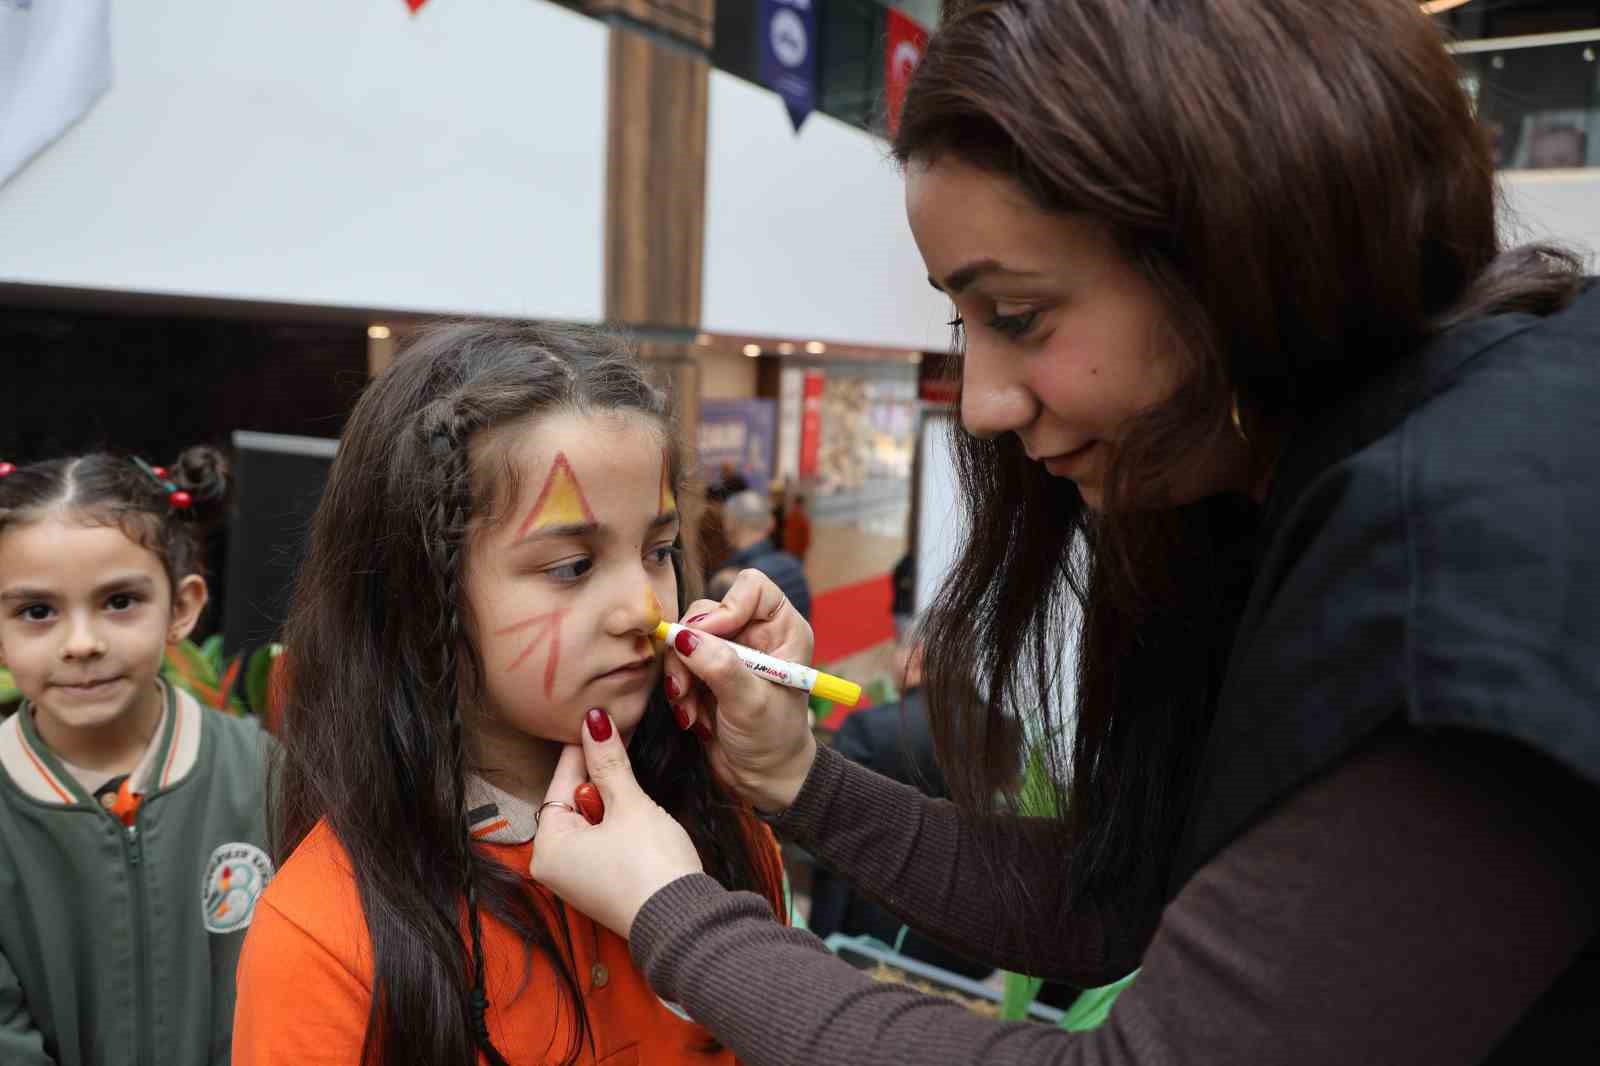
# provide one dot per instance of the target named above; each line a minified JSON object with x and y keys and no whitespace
{"x":608,"y":870}
{"x":759,"y":736}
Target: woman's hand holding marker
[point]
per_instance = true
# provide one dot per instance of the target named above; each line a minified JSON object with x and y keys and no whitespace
{"x":759,"y":734}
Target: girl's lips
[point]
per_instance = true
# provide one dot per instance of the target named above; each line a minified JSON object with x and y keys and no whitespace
{"x":629,"y":672}
{"x":86,"y":687}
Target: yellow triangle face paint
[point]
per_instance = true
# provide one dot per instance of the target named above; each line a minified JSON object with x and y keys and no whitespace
{"x":668,"y":501}
{"x":560,"y":503}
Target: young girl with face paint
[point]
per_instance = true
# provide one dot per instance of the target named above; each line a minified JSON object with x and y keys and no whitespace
{"x":496,"y":542}
{"x":132,"y":820}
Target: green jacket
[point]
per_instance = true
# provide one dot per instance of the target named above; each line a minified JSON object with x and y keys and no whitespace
{"x":118,"y":944}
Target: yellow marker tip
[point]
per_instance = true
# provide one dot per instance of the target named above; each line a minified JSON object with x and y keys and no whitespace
{"x":836,"y":690}
{"x":663,"y":630}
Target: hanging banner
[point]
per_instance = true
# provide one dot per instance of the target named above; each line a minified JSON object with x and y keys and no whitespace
{"x":786,"y":32}
{"x":55,"y":59}
{"x":811,"y":423}
{"x":906,"y":42}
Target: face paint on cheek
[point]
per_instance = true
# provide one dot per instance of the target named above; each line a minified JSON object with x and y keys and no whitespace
{"x":560,"y":502}
{"x":544,"y":627}
{"x":652,"y":607}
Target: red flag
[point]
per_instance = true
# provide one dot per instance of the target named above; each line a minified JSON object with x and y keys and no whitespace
{"x":907,"y":40}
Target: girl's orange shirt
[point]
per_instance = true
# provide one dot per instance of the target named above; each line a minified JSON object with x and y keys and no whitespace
{"x":305,"y":978}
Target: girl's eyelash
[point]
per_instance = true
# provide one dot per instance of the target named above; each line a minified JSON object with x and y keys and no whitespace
{"x":563,"y":571}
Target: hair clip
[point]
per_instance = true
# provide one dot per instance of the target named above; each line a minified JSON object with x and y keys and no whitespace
{"x":7,"y":469}
{"x":179,"y":499}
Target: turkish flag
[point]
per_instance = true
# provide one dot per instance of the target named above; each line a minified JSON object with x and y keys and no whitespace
{"x":907,"y":40}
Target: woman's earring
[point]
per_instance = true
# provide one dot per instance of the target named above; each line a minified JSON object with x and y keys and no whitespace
{"x":1238,"y":423}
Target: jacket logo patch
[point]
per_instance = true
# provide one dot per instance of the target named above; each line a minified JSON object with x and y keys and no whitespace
{"x":236,"y":875}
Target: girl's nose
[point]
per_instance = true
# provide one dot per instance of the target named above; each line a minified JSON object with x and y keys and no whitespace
{"x":82,"y":640}
{"x":638,"y":611}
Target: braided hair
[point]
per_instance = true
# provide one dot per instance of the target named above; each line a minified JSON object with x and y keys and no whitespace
{"x":384,"y":666}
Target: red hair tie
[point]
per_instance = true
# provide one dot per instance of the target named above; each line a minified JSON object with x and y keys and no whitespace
{"x":180,"y":500}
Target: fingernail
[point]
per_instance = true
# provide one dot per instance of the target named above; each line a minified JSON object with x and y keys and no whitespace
{"x":599,"y":724}
{"x":702,"y":731}
{"x":702,"y":616}
{"x":686,"y":643}
{"x":586,"y":797}
{"x":682,"y":715}
{"x":674,"y":690}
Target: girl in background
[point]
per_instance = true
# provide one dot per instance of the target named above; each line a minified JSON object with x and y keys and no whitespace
{"x":496,"y":541}
{"x":131,"y":820}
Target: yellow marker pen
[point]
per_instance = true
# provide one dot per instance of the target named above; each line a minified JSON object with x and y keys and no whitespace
{"x":780,"y":671}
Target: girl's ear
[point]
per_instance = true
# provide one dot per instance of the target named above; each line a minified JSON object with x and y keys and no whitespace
{"x":188,"y":600}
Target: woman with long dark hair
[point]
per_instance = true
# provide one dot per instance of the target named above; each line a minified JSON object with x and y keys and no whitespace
{"x":1254,"y":401}
{"x":496,"y":543}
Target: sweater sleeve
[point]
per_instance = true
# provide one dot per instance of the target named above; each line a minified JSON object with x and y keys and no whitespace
{"x":1357,"y":923}
{"x":282,"y":968}
{"x":919,"y":859}
{"x":21,"y":1043}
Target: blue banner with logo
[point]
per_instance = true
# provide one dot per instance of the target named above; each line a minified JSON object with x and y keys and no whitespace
{"x":786,"y":31}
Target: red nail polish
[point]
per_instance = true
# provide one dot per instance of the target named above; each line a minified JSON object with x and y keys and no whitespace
{"x":586,"y":797}
{"x":702,"y":731}
{"x":599,"y":724}
{"x":702,"y":616}
{"x":674,"y":690}
{"x":686,"y":643}
{"x":681,"y":715}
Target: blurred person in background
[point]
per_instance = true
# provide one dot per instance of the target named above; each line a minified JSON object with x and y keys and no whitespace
{"x":747,"y":523}
{"x":796,"y":525}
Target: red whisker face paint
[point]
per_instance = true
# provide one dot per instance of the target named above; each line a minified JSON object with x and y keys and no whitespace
{"x":546,"y":626}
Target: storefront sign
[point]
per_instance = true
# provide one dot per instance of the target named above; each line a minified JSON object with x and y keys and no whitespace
{"x":737,"y":434}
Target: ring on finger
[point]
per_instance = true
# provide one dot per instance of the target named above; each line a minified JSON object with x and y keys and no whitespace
{"x":551,"y":803}
{"x":783,"y":601}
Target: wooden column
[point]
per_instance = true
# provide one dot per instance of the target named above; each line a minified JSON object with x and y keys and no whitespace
{"x":659,"y":84}
{"x":658,"y":92}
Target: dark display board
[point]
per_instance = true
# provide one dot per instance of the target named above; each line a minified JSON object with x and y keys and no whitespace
{"x":278,"y":480}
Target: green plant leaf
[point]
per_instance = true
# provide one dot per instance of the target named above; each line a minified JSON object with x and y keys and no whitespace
{"x":212,"y":650}
{"x":187,"y":666}
{"x":258,"y":677}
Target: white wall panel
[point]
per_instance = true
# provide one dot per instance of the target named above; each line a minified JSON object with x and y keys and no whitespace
{"x":342,"y":153}
{"x":1561,"y":205}
{"x":806,"y":234}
